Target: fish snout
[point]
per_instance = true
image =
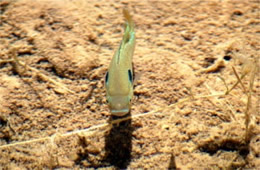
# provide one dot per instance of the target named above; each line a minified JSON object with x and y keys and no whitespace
{"x":120,"y":112}
{"x":120,"y":106}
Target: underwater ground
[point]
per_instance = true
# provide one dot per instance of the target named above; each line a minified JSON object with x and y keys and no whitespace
{"x":197,"y":90}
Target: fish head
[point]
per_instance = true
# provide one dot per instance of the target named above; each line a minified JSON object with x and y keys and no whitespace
{"x":119,"y":105}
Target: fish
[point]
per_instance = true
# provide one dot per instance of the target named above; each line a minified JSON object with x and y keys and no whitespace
{"x":120,"y":76}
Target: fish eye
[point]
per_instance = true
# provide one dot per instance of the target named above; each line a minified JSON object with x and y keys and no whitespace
{"x":130,"y":76}
{"x":106,"y":78}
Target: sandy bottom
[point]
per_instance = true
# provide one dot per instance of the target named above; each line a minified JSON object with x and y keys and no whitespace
{"x":53,"y":111}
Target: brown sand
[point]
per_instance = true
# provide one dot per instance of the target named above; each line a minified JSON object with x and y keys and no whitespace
{"x":183,"y":50}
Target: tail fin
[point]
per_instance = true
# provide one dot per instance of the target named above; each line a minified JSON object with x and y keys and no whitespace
{"x":129,"y":26}
{"x":129,"y":20}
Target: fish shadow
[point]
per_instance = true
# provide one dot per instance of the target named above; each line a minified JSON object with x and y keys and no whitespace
{"x":118,"y":143}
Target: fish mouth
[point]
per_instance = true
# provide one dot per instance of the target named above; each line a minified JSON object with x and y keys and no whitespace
{"x":121,"y":112}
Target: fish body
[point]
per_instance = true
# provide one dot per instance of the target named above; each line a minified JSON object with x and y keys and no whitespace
{"x":119,"y":78}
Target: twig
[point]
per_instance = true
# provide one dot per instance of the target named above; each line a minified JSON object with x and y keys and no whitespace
{"x":17,"y":62}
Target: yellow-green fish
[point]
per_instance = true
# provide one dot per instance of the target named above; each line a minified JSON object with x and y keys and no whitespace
{"x":119,"y":78}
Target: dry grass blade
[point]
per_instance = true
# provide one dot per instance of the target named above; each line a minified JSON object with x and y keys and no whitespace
{"x":89,"y":131}
{"x":239,"y":79}
{"x":235,"y":84}
{"x":248,"y":105}
{"x":232,"y":113}
{"x":224,"y":81}
{"x":85,"y":131}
